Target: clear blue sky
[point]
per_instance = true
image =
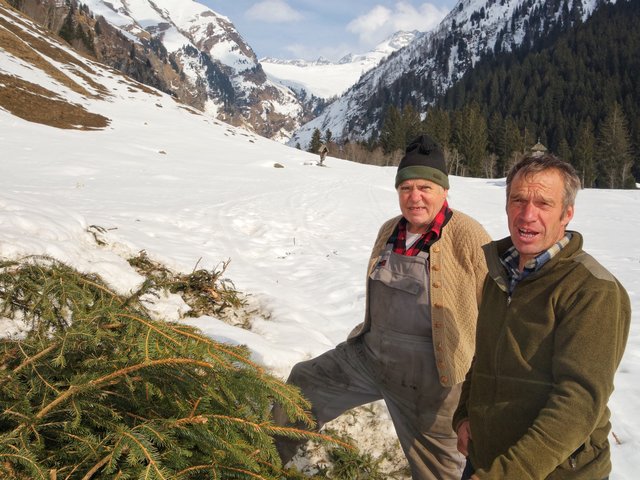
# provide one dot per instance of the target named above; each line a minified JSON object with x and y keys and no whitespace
{"x":309,"y":29}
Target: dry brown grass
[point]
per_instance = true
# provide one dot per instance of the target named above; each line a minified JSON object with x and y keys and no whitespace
{"x":29,"y":48}
{"x":37,"y":104}
{"x":36,"y":47}
{"x":33,"y":102}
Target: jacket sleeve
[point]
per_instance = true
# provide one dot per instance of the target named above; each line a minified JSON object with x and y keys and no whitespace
{"x":590,"y":337}
{"x":480,"y":270}
{"x":461,"y":412}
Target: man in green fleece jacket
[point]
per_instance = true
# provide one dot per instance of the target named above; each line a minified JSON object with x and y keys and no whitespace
{"x":552,"y":327}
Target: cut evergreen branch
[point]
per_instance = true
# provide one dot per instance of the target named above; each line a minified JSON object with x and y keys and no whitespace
{"x":345,"y":462}
{"x":96,"y":389}
{"x":207,"y":292}
{"x":354,"y":465}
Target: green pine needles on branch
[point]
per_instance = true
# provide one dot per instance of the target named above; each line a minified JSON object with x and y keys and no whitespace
{"x":96,"y":389}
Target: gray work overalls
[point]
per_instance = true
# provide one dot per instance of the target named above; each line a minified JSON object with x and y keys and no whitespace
{"x":393,"y":361}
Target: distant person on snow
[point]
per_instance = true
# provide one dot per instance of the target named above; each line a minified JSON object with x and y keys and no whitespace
{"x":415,"y":345}
{"x":323,"y":151}
{"x":552,"y":326}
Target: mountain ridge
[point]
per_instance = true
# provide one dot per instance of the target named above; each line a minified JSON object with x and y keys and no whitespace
{"x":196,"y":54}
{"x":426,"y":68}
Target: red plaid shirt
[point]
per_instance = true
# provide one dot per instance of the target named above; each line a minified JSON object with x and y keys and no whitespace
{"x":399,"y":236}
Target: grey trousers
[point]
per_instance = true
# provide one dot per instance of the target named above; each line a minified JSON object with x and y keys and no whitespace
{"x":344,"y":378}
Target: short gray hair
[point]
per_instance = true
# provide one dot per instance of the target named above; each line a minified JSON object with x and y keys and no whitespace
{"x":533,"y":164}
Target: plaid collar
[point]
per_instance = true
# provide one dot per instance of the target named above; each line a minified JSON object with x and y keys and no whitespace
{"x":399,"y":236}
{"x":511,"y":259}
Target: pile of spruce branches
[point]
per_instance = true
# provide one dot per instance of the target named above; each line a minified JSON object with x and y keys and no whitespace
{"x":96,"y":389}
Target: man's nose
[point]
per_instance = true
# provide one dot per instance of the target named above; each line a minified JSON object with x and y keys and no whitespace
{"x":529,"y":211}
{"x":415,"y":193}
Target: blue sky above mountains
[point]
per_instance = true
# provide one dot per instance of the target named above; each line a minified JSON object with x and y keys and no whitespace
{"x":308,"y":29}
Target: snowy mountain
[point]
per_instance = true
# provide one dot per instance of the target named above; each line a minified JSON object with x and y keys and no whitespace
{"x":326,"y":79}
{"x":184,"y":48}
{"x":424,"y":69}
{"x":197,"y":55}
{"x":217,"y":71}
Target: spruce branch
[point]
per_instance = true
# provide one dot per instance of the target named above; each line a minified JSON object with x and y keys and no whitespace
{"x":97,"y":389}
{"x":289,"y":431}
{"x":97,"y":467}
{"x":29,"y":360}
{"x":24,"y":460}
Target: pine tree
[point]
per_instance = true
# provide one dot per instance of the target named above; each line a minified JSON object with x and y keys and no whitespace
{"x":614,"y":151}
{"x":392,"y":136}
{"x":584,"y":154}
{"x":411,"y":123}
{"x":399,"y":128}
{"x":471,"y":137}
{"x":510,"y":142}
{"x":68,"y":29}
{"x":328,"y":136}
{"x":437,"y":124}
{"x":495,"y":129}
{"x":562,"y":78}
{"x":316,"y":141}
{"x":564,"y":151}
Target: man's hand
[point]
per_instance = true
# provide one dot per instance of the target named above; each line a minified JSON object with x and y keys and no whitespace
{"x":464,"y":435}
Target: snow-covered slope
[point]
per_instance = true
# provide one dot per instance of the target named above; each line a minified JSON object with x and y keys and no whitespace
{"x":326,"y":79}
{"x":148,"y":180}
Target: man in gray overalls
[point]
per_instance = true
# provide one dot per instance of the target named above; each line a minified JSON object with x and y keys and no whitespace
{"x":415,"y":345}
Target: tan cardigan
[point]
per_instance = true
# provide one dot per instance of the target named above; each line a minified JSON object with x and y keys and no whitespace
{"x":457,"y":270}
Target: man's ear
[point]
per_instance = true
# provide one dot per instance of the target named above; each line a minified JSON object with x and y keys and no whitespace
{"x":568,"y":216}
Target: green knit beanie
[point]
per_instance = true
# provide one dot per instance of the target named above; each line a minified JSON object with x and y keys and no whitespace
{"x":423,"y":159}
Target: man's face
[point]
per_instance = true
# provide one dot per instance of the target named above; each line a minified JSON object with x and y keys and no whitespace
{"x":535,"y":213}
{"x":420,"y":202}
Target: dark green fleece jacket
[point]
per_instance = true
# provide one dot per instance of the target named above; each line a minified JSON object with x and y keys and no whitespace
{"x":536,"y":394}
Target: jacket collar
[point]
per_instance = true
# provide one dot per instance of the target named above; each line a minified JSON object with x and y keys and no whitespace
{"x":494,"y":251}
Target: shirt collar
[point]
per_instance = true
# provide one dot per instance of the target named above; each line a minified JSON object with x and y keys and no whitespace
{"x":439,"y":221}
{"x":434,"y":232}
{"x":511,"y":261}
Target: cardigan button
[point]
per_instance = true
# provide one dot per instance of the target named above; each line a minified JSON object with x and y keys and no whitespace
{"x":436,"y":249}
{"x":435,"y":268}
{"x":437,"y":284}
{"x":444,"y":379}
